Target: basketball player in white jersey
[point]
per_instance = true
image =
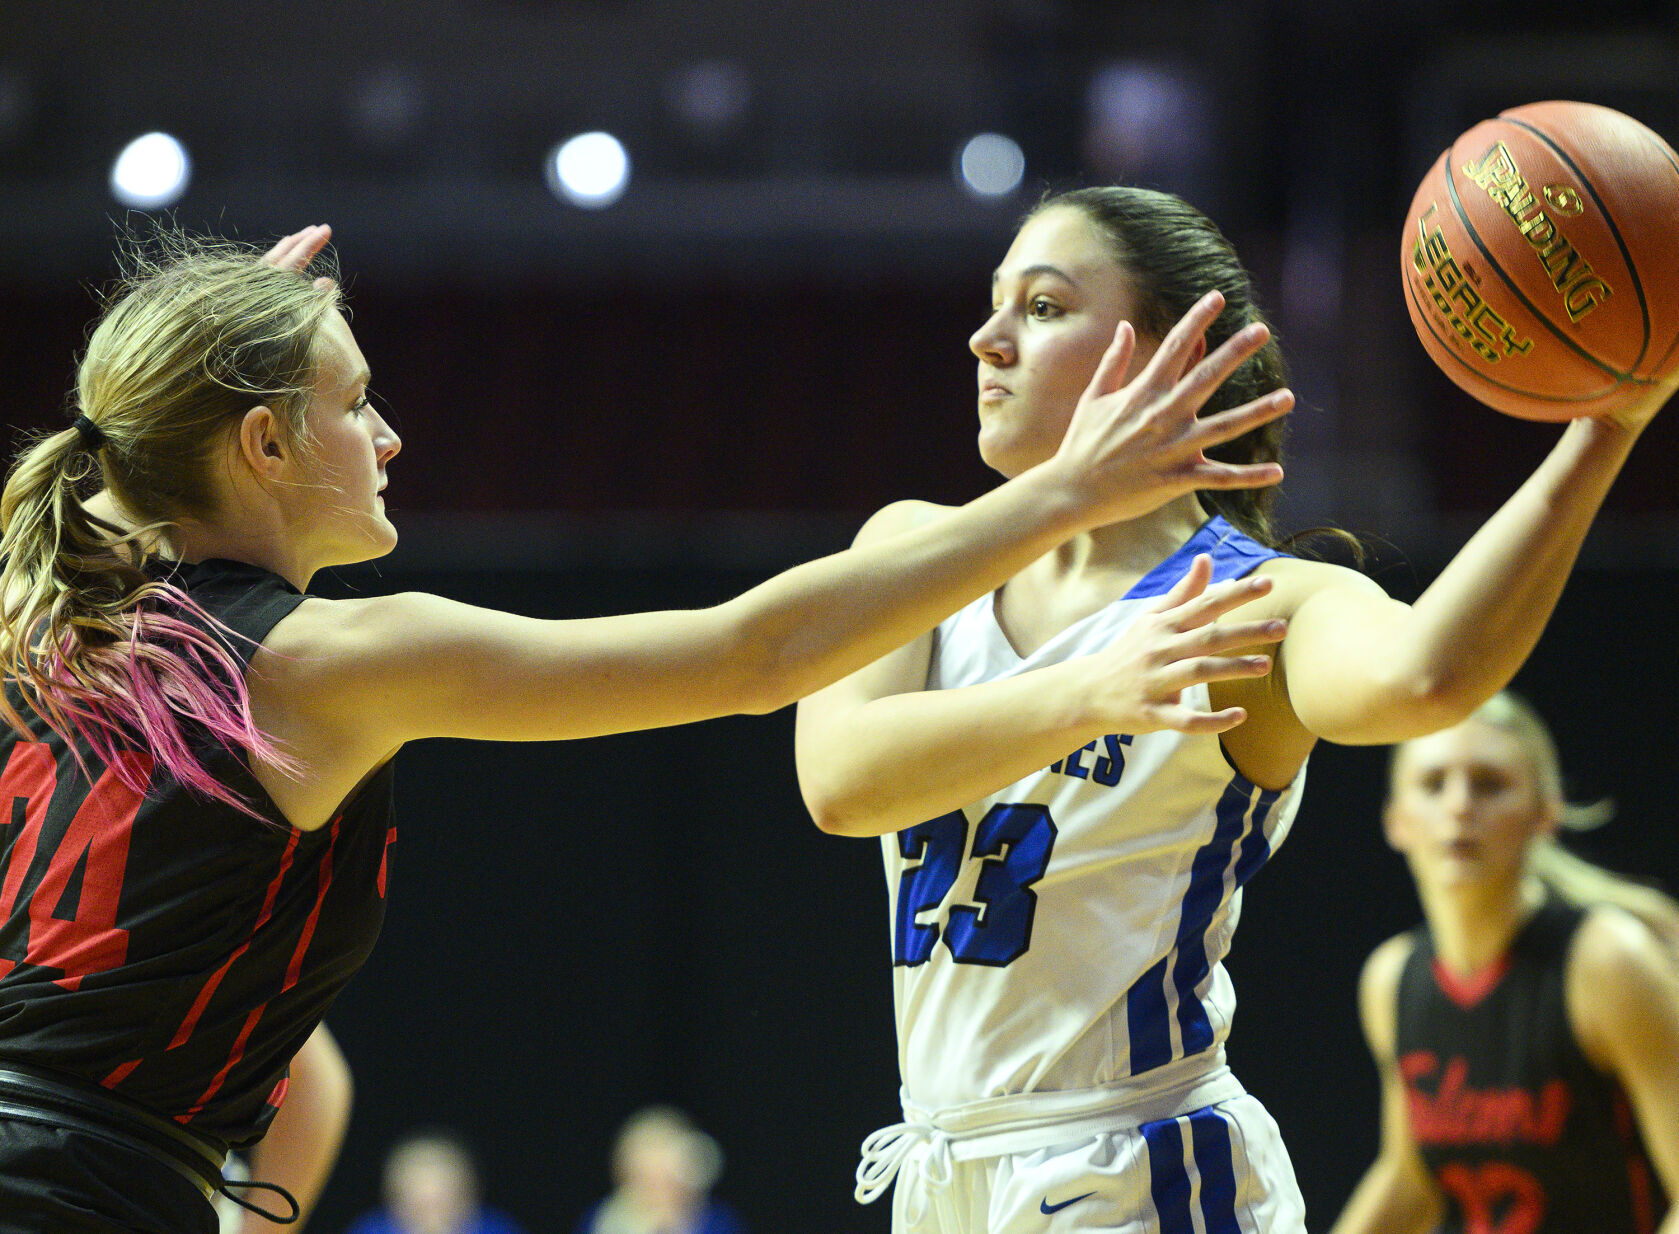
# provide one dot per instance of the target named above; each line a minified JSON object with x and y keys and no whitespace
{"x":1064,"y":871}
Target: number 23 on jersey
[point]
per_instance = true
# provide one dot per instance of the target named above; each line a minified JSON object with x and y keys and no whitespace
{"x":1013,"y":843}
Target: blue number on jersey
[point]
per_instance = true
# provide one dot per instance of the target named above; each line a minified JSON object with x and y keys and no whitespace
{"x":1000,"y":930}
{"x":938,"y":843}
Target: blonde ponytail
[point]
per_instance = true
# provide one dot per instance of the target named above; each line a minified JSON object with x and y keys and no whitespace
{"x":1584,"y":885}
{"x":100,"y":649}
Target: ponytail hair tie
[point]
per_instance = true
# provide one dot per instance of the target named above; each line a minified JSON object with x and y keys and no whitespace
{"x":92,"y":435}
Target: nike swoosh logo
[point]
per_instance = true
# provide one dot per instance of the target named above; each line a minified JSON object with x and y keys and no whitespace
{"x":1046,"y":1208}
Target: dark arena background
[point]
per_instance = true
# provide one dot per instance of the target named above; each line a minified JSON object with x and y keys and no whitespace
{"x":656,"y":400}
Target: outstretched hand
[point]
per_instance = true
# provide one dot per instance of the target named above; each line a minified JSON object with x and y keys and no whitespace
{"x":1139,"y":445}
{"x":1642,"y":407}
{"x":297,"y":250}
{"x":1179,"y":643}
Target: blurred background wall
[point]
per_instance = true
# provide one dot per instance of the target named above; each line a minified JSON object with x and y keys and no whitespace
{"x":657,"y":398}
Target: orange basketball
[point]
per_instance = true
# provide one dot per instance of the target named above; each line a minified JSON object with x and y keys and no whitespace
{"x":1541,"y":260}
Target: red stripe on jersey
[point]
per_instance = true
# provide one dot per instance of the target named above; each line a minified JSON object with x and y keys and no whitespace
{"x":120,"y":1074}
{"x":1639,"y":1186}
{"x":233,"y":1057}
{"x":238,"y":1051}
{"x":296,"y":965}
{"x":385,"y":860}
{"x":209,"y":990}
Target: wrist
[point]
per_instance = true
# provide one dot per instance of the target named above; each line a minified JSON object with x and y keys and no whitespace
{"x":1056,"y":499}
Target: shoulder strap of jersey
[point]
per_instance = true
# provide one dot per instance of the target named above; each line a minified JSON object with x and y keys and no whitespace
{"x":248,"y":600}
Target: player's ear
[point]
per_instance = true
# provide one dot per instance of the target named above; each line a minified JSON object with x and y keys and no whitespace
{"x":1393,"y":829}
{"x":260,"y":441}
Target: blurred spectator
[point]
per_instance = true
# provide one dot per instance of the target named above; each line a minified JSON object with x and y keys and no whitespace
{"x":664,"y":1168}
{"x":431,"y":1187}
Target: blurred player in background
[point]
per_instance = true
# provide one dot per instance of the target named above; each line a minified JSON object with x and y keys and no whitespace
{"x":1527,"y":1034}
{"x":431,"y":1186}
{"x":663,"y":1170}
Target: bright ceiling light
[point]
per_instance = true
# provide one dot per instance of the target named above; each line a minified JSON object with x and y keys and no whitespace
{"x":152,"y":171}
{"x":590,"y":170}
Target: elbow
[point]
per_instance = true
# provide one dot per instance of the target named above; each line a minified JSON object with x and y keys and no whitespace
{"x":764,"y":690}
{"x":1426,"y":699}
{"x":835,"y":811}
{"x":829,"y":814}
{"x":760,"y":670}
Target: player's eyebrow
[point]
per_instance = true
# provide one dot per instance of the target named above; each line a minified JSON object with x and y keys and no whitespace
{"x":1038,"y":268}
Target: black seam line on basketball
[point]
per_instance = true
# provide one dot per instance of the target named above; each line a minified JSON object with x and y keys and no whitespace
{"x":1475,"y":237}
{"x":1666,"y":152}
{"x":1450,"y":352}
{"x":1609,"y":220}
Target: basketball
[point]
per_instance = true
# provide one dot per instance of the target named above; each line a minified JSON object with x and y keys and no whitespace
{"x":1541,"y":260}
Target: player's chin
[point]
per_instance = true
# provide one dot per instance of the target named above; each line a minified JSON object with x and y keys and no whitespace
{"x":378,"y":537}
{"x":1004,"y":454}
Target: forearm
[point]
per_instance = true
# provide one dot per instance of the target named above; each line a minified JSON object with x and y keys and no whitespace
{"x":1475,"y":626}
{"x":822,"y":620}
{"x":1363,"y":669}
{"x":1387,"y":1201}
{"x":897,"y":761}
{"x":302,"y":1143}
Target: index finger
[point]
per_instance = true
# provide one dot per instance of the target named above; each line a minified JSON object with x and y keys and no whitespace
{"x":1220,"y":599}
{"x":296,"y":251}
{"x":1172,"y":358}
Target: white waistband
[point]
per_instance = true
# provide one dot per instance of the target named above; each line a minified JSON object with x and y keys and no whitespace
{"x":1027,"y":1122}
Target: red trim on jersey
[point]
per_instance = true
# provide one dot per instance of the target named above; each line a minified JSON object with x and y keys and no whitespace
{"x":120,"y":1074}
{"x":277,"y":1098}
{"x":1467,"y":991}
{"x":210,"y":986}
{"x":385,"y":859}
{"x":325,"y":881}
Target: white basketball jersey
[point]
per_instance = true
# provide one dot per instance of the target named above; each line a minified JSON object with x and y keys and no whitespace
{"x":1069,"y":930}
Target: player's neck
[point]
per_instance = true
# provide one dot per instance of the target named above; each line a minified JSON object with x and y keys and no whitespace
{"x":1129,"y":549}
{"x":1474,"y":925}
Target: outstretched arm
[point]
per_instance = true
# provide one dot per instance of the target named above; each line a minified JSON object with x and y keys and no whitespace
{"x":1363,"y":669}
{"x":1396,"y":1195}
{"x":381,"y":672}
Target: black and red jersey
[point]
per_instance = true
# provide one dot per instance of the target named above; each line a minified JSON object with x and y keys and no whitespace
{"x":172,"y":949}
{"x":1520,"y":1132}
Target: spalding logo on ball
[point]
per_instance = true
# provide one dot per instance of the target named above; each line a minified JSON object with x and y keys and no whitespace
{"x":1541,"y":260}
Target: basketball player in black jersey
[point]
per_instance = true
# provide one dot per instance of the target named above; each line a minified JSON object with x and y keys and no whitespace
{"x":1528,"y":1034}
{"x":198,"y":763}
